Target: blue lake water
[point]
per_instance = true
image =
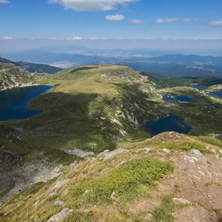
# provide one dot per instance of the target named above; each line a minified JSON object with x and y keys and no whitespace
{"x":14,"y":102}
{"x":215,"y":94}
{"x":198,"y":87}
{"x":170,"y":122}
{"x":177,"y":99}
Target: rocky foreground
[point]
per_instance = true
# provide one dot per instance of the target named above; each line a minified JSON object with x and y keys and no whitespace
{"x":171,"y":177}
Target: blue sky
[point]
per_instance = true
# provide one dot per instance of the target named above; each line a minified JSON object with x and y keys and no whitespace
{"x":110,"y":19}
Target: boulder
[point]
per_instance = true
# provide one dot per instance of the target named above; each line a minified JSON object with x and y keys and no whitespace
{"x":199,"y":156}
{"x":59,"y":217}
{"x":57,"y":184}
{"x":166,"y":150}
{"x":113,"y":153}
{"x":59,"y":203}
{"x":181,"y":201}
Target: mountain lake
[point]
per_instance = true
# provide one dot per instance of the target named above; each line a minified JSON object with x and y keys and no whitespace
{"x":198,"y":87}
{"x":14,"y":102}
{"x":177,"y":99}
{"x":215,"y":94}
{"x":169,"y":122}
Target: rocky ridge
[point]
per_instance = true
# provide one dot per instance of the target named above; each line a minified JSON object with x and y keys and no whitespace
{"x":191,"y":191}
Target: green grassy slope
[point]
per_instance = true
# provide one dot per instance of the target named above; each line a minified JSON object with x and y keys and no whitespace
{"x":96,"y":107}
{"x":91,"y":108}
{"x":116,"y":188}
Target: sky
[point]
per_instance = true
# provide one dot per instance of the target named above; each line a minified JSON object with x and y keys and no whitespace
{"x":79,"y":21}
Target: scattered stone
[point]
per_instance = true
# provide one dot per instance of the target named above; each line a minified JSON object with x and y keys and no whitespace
{"x":37,"y":202}
{"x":73,"y":164}
{"x":114,"y":197}
{"x":148,"y":217}
{"x":147,"y":150}
{"x":199,"y":156}
{"x":166,"y":150}
{"x":213,"y":150}
{"x":79,"y":153}
{"x":58,"y":184}
{"x":52,"y":194}
{"x":92,"y":159}
{"x":60,"y":216}
{"x":181,"y":201}
{"x":113,"y":153}
{"x":103,"y":153}
{"x":194,"y":219}
{"x":59,"y":203}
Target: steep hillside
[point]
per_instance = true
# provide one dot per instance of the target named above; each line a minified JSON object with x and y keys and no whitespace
{"x":30,"y":67}
{"x":171,"y":177}
{"x":91,"y":109}
{"x":13,"y":76}
{"x":17,"y":74}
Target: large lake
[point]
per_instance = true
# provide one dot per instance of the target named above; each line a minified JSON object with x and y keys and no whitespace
{"x":14,"y":102}
{"x":215,"y":94}
{"x":170,"y":122}
{"x":198,"y":87}
{"x":177,"y":99}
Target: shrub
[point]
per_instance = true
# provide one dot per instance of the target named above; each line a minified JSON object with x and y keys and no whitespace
{"x":185,"y":145}
{"x":210,"y":140}
{"x":133,"y":173}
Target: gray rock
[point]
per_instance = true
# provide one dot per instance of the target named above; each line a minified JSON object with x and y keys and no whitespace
{"x":37,"y":202}
{"x":166,"y":150}
{"x":114,"y":197}
{"x":58,"y":184}
{"x":52,"y":194}
{"x":60,"y":216}
{"x":113,"y":153}
{"x":59,"y":203}
{"x":73,"y":164}
{"x":147,"y":150}
{"x":78,"y":152}
{"x":199,"y":156}
{"x":103,"y":153}
{"x":181,"y":201}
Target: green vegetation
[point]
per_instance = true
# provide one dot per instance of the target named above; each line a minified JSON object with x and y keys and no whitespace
{"x":131,"y":174}
{"x":185,"y":145}
{"x":164,"y":81}
{"x":99,"y":107}
{"x":210,"y":140}
{"x":163,"y":213}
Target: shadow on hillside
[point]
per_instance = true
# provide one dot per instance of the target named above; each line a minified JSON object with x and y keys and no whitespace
{"x":83,"y":68}
{"x":68,"y":121}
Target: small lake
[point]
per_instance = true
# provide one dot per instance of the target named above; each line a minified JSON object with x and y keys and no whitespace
{"x":170,"y":122}
{"x":215,"y":94}
{"x":14,"y":102}
{"x":177,"y":99}
{"x":198,"y":87}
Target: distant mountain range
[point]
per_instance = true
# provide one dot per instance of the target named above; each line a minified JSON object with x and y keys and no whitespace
{"x":173,"y":65}
{"x":16,"y":74}
{"x":31,"y":67}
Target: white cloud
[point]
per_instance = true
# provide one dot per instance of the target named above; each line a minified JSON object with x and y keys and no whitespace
{"x":8,"y":38}
{"x":136,"y":21}
{"x":4,"y":1}
{"x":117,"y":17}
{"x":174,"y":19}
{"x":76,"y":38}
{"x":90,"y":5}
{"x":215,"y":22}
